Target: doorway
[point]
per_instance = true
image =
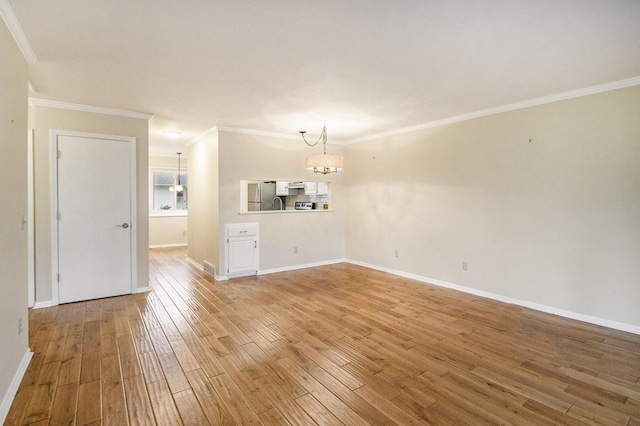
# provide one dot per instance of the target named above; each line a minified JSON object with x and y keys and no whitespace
{"x":93,"y":216}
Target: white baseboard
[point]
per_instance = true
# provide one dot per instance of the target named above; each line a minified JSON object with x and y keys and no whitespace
{"x":167,"y":245}
{"x":287,"y":268}
{"x":7,"y":400}
{"x":526,"y":304}
{"x":142,"y":290}
{"x":201,"y":268}
{"x":43,"y":304}
{"x":302,"y":266}
{"x":194,"y":263}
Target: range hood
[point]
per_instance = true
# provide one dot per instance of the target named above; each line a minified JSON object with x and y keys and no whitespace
{"x":295,"y":185}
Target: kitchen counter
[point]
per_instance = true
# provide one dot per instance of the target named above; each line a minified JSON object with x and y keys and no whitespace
{"x":287,"y":211}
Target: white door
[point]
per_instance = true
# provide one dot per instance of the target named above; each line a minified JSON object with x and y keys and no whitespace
{"x":94,"y":217}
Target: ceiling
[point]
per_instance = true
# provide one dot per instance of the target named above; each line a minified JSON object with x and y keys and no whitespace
{"x":362,"y":67}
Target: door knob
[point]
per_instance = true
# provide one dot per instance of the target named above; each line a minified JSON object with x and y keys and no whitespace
{"x":124,"y":225}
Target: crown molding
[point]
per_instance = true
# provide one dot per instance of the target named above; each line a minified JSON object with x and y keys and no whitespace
{"x":32,"y":88}
{"x":256,"y":132}
{"x":16,"y":31}
{"x":165,"y":155}
{"x":88,"y":108}
{"x":592,"y":90}
{"x":209,"y":131}
{"x":269,"y":134}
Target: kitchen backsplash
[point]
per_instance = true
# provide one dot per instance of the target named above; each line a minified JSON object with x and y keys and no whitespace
{"x":318,"y":199}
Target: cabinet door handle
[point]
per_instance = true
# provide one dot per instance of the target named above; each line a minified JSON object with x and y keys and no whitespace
{"x":243,"y":232}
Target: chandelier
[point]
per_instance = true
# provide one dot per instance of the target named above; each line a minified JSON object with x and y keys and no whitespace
{"x":322,"y":163}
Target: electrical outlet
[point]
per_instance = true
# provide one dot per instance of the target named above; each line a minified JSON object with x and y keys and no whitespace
{"x":295,"y":249}
{"x":19,"y":325}
{"x":465,"y":266}
{"x":397,"y":253}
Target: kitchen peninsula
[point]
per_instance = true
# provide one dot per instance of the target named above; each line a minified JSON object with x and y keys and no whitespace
{"x":273,"y":196}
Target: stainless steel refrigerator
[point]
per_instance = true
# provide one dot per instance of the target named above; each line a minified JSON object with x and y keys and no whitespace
{"x":261,"y":196}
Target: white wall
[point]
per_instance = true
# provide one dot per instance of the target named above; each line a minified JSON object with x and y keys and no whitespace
{"x":319,"y":236}
{"x":13,"y":235}
{"x":203,"y":199}
{"x":47,"y":119}
{"x":554,"y":221}
{"x":166,"y":230}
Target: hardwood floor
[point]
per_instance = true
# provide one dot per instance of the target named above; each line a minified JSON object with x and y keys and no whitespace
{"x":337,"y":344}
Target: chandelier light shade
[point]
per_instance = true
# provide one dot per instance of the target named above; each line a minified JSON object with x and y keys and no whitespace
{"x":323,"y":163}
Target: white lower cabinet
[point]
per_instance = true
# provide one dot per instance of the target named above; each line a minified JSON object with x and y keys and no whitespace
{"x":241,"y":249}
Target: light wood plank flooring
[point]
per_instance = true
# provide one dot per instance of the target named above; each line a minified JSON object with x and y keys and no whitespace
{"x":337,"y":344}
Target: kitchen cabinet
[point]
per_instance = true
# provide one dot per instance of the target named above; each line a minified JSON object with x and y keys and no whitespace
{"x":241,"y":249}
{"x":322,"y":188}
{"x":310,"y":188}
{"x":317,"y":188}
{"x":282,"y":188}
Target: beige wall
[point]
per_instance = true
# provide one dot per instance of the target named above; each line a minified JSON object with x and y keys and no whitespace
{"x":13,"y":235}
{"x":167,"y":230}
{"x":319,"y":236}
{"x":554,"y":221}
{"x":47,"y":119}
{"x":202,"y":235}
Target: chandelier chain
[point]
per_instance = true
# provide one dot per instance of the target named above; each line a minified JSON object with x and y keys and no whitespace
{"x":322,"y":137}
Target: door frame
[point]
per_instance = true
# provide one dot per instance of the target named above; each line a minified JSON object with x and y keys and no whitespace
{"x":31,"y":250}
{"x":53,"y":146}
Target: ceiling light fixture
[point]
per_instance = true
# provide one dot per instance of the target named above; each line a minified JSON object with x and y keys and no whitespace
{"x":322,"y":163}
{"x":173,"y":134}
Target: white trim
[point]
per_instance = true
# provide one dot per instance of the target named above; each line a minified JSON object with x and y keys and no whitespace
{"x":10,"y":394}
{"x":16,"y":31}
{"x":43,"y":304}
{"x":88,"y":108}
{"x":259,"y":133}
{"x":201,"y":268}
{"x":194,"y":263}
{"x":301,"y":266}
{"x":505,"y":108}
{"x":167,"y":245}
{"x":287,"y":268}
{"x":31,"y":271}
{"x":143,"y":290}
{"x":505,"y":299}
{"x":32,"y":88}
{"x":53,"y":143}
{"x":165,"y":155}
{"x":210,"y":130}
{"x":169,"y":213}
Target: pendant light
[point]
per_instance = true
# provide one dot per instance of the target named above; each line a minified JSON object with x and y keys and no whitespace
{"x":178,"y":188}
{"x":322,"y":163}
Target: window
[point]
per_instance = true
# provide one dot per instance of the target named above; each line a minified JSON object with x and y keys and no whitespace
{"x":165,"y":198}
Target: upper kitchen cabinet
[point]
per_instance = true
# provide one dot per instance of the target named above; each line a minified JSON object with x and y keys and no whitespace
{"x":322,"y":188}
{"x":282,"y":188}
{"x":317,"y":188}
{"x":310,"y":188}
